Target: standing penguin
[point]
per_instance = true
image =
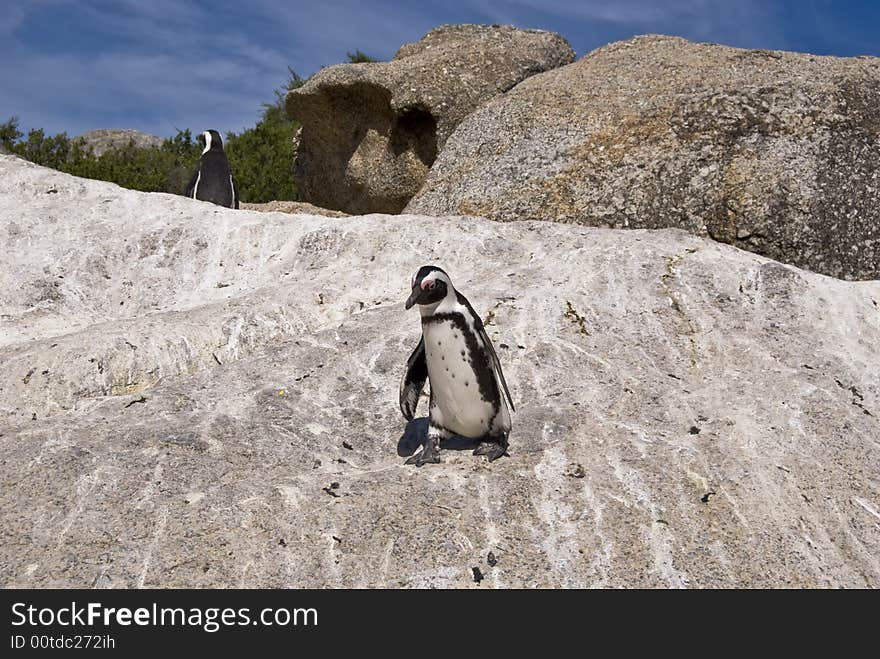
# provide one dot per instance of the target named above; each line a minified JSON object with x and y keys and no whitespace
{"x":455,"y":354}
{"x":212,"y":180}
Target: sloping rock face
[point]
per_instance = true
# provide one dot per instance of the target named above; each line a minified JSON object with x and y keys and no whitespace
{"x":371,"y":131}
{"x":774,"y":152}
{"x":208,"y":398}
{"x":104,"y":139}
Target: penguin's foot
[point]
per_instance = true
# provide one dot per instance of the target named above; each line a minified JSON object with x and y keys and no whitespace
{"x":496,"y":452}
{"x":492,"y":449}
{"x":430,"y":454}
{"x":484,"y":447}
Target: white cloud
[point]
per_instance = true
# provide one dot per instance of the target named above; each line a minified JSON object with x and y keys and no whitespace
{"x":164,"y":64}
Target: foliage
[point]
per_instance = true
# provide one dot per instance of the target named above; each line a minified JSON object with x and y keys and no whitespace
{"x":51,"y":151}
{"x":165,"y":168}
{"x":261,"y":157}
{"x":358,"y":57}
{"x":9,"y":134}
{"x":294,"y":81}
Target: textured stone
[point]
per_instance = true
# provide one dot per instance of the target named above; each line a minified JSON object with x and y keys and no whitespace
{"x":774,"y":152}
{"x":104,"y":139}
{"x":291,"y":207}
{"x":175,"y":409}
{"x":371,"y":131}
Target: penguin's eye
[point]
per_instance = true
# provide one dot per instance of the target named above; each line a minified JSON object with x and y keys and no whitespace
{"x":432,"y":285}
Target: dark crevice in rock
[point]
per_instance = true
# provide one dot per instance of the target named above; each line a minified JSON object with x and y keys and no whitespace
{"x":358,"y":155}
{"x":415,"y":129}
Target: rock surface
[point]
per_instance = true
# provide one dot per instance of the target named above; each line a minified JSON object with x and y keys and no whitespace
{"x":291,"y":207}
{"x":194,"y":396}
{"x":774,"y":152}
{"x":371,"y":131}
{"x":104,"y":139}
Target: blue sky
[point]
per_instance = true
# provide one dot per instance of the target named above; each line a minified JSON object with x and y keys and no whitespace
{"x":159,"y":65}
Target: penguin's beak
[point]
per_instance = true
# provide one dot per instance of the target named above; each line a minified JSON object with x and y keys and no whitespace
{"x":414,"y":296}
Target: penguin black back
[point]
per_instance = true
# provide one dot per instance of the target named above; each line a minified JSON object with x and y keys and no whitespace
{"x":213,"y":181}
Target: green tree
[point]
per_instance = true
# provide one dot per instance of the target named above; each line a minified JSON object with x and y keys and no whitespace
{"x":165,"y":168}
{"x":9,"y":134}
{"x":358,"y":56}
{"x":50,"y":151}
{"x":184,"y":155}
{"x":294,"y":81}
{"x":262,"y":157}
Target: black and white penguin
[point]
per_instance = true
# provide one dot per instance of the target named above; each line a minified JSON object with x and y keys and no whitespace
{"x":212,"y":180}
{"x":456,"y":355}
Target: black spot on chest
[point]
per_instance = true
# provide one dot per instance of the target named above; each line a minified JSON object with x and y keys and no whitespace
{"x":479,"y":358}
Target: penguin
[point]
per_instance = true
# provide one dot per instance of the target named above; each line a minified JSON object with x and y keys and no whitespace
{"x":212,"y":181}
{"x":458,"y":358}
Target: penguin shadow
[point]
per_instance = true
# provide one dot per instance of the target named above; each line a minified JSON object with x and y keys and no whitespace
{"x":416,"y":434}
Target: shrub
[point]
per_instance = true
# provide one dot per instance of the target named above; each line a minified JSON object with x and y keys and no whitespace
{"x":261,"y":157}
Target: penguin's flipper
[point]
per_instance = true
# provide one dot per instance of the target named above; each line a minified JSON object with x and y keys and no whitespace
{"x":413,"y":381}
{"x":191,"y":186}
{"x":496,"y":365}
{"x":234,"y":191}
{"x":490,"y":349}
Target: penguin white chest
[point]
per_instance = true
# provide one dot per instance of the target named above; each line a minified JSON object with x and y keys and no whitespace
{"x":456,"y":400}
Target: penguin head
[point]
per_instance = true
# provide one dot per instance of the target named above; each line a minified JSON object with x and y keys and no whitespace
{"x":210,"y":139}
{"x":429,"y":285}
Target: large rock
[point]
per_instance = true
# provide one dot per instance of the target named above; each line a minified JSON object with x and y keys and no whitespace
{"x":371,"y":131}
{"x":774,"y":152}
{"x":193,"y":396}
{"x":104,"y":139}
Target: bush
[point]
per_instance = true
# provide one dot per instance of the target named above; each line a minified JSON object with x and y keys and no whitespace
{"x":358,"y":56}
{"x":261,"y":157}
{"x":166,"y":168}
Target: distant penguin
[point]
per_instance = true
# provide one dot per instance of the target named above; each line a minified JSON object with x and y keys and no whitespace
{"x":456,"y":355}
{"x":212,"y":180}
